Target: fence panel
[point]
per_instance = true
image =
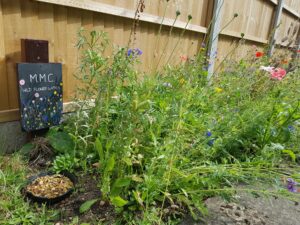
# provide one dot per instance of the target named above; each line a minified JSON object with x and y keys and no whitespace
{"x":59,"y":21}
{"x":59,"y":25}
{"x":288,"y":30}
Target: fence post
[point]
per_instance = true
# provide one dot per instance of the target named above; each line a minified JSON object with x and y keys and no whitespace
{"x":214,"y":37}
{"x":298,"y":45}
{"x":276,"y":23}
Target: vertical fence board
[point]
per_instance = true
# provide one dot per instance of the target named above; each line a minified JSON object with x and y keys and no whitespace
{"x":14,"y":31}
{"x":4,"y":103}
{"x":288,"y":29}
{"x":75,"y":20}
{"x":109,"y":28}
{"x":98,"y":22}
{"x":46,"y":17}
{"x":60,"y":43}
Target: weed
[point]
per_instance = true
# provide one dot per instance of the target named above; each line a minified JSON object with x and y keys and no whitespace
{"x":13,"y":208}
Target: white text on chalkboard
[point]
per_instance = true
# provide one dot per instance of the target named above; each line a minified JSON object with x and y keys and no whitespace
{"x":38,"y":78}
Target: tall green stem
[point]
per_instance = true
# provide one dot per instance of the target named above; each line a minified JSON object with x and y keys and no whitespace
{"x":160,"y":26}
{"x":180,"y":37}
{"x":166,"y":45}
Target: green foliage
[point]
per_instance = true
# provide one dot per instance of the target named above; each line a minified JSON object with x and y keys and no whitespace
{"x":170,"y":138}
{"x":61,"y":141}
{"x":87,"y":205}
{"x":118,"y":201}
{"x":13,"y":209}
{"x":65,"y":163}
{"x":26,"y":149}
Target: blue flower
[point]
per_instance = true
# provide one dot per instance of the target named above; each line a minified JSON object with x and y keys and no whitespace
{"x":291,"y":128}
{"x":208,"y":134}
{"x":291,"y":185}
{"x":138,"y":51}
{"x":134,"y":52}
{"x":211,"y":142}
{"x":129,"y":52}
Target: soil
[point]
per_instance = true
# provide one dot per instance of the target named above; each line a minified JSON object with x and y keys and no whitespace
{"x":247,"y":209}
{"x":86,"y":189}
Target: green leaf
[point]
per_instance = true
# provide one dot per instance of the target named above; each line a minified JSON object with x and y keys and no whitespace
{"x":61,"y":141}
{"x":25,"y":150}
{"x":118,"y":185}
{"x":99,"y":149}
{"x":110,"y":163}
{"x":108,"y":145}
{"x":87,"y":205}
{"x":118,"y":201}
{"x":290,"y":153}
{"x":122,"y":182}
{"x":127,"y":161}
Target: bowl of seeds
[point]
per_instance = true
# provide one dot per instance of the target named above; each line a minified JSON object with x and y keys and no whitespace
{"x":50,"y":187}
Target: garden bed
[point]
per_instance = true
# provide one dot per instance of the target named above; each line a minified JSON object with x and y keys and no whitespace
{"x":243,"y":209}
{"x":86,"y":189}
{"x":154,"y":148}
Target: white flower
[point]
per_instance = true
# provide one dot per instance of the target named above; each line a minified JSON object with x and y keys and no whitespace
{"x":267,"y":68}
{"x":167,"y":84}
{"x":22,"y":82}
{"x":37,"y":95}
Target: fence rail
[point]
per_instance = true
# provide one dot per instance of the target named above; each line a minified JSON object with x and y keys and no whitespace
{"x":58,"y":21}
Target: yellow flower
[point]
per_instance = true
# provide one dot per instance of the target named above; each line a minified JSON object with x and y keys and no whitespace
{"x":61,"y":84}
{"x":182,"y":81}
{"x":55,"y":92}
{"x":218,"y":90}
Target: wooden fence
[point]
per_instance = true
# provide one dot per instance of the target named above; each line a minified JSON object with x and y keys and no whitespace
{"x":58,"y":21}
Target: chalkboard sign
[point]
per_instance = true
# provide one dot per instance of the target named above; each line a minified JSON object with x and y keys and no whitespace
{"x":40,"y":88}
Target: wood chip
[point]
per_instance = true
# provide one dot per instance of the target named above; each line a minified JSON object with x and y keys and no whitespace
{"x":50,"y":186}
